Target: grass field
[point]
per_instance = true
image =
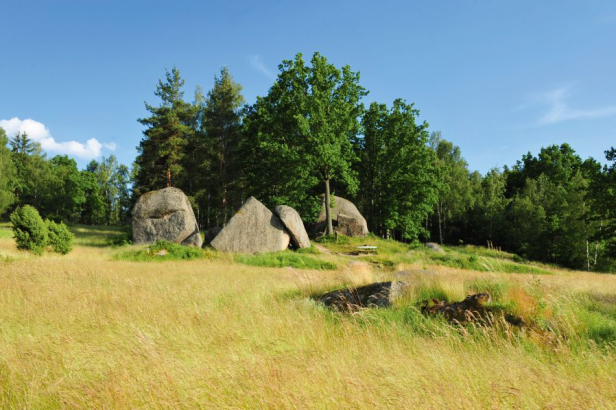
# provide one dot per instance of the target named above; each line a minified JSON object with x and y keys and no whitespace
{"x":93,"y":330}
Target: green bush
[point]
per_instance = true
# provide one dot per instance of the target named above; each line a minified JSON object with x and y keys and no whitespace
{"x":29,"y":229}
{"x":59,"y":237}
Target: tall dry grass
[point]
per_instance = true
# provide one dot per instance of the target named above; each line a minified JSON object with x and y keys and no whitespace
{"x":88,"y":331}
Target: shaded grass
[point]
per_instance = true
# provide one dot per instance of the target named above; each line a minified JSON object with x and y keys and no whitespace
{"x":96,"y":236}
{"x":285,"y":259}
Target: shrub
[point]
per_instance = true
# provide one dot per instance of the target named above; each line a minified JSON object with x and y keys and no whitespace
{"x":29,"y":230}
{"x":59,"y":237}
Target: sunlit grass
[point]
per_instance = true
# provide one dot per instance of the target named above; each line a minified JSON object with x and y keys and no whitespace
{"x":86,"y":330}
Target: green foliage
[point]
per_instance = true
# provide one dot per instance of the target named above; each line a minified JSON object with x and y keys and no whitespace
{"x":216,"y":162}
{"x":455,"y":195}
{"x":169,"y":128}
{"x":311,"y":250}
{"x":398,"y":184}
{"x":165,"y":251}
{"x":285,"y":259}
{"x":29,"y":230}
{"x":7,"y":175}
{"x":302,"y":133}
{"x":59,"y":237}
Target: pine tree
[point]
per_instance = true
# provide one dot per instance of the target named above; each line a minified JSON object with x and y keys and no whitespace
{"x":169,"y":128}
{"x":219,"y":157}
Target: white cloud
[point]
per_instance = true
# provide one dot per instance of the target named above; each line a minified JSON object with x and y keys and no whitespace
{"x":38,"y":132}
{"x":257,"y":64}
{"x":559,"y":108}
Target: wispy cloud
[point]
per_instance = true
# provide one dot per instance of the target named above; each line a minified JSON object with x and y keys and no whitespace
{"x":257,"y":64}
{"x":38,"y":132}
{"x":559,"y":110}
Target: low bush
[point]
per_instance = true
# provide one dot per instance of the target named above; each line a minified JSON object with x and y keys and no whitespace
{"x":59,"y":237}
{"x":29,"y":230}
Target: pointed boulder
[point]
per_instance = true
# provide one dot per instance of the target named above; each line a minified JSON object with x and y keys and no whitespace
{"x":253,"y":229}
{"x":293,"y":222}
{"x":165,"y":215}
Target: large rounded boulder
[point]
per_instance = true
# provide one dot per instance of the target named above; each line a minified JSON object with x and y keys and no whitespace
{"x":165,"y":215}
{"x":293,"y":222}
{"x":345,"y":217}
{"x":253,"y":229}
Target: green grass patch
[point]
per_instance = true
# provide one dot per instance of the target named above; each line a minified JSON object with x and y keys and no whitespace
{"x":96,"y":236}
{"x":346,"y":244}
{"x":165,"y":251}
{"x":285,"y":259}
{"x":5,"y":230}
{"x":484,"y":264}
{"x":312,"y":250}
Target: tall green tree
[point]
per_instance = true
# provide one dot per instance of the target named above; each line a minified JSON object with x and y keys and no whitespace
{"x":7,"y":174}
{"x":63,"y":196}
{"x":398,"y":184}
{"x":303,"y":129}
{"x":455,"y":194}
{"x":169,"y":128}
{"x":219,"y":154}
{"x":32,"y":170}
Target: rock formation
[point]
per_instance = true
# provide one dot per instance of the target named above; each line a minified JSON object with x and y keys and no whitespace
{"x":345,"y":217}
{"x":293,"y":222}
{"x":253,"y":229}
{"x":165,"y":215}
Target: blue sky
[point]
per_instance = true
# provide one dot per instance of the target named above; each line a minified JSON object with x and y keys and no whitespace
{"x":498,"y":78}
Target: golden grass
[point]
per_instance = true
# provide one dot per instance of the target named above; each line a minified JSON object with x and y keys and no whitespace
{"x":84,"y":330}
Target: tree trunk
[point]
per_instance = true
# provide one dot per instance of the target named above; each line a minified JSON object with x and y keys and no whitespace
{"x":440,"y":223}
{"x":168,"y":177}
{"x":328,"y":212}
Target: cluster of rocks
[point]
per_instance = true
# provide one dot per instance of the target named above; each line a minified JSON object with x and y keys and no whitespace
{"x":472,"y":309}
{"x":256,"y":229}
{"x":167,"y":215}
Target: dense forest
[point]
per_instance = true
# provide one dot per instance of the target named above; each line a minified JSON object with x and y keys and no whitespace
{"x":312,"y":136}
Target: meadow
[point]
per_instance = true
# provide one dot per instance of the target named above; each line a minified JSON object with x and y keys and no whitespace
{"x":118,"y":327}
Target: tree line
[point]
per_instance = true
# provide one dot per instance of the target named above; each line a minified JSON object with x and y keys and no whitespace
{"x":311,"y":137}
{"x":97,"y":195}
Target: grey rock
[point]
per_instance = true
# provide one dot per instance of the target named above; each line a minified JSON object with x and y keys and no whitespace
{"x":293,"y":222}
{"x":253,"y":229}
{"x":166,"y":215}
{"x":351,"y":226}
{"x":380,"y":294}
{"x":434,"y":247}
{"x":345,"y":217}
